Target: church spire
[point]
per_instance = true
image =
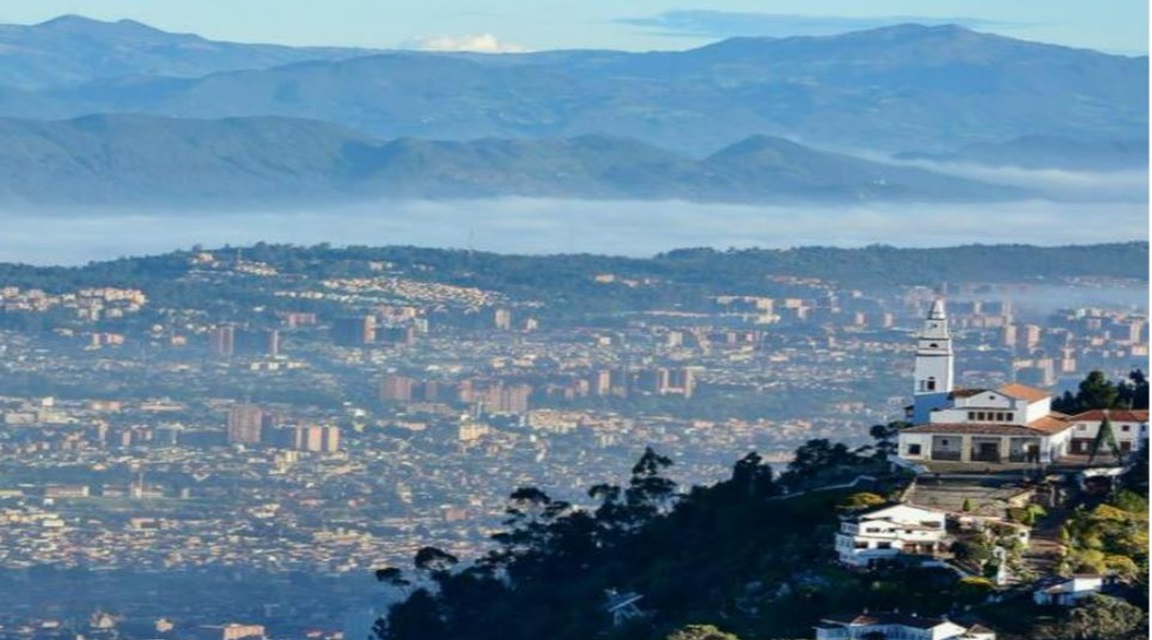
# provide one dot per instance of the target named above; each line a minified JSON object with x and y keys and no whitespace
{"x":936,"y":324}
{"x":933,"y":375}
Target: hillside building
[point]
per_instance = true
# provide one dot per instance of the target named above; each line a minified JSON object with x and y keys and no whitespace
{"x":1014,"y":423}
{"x":889,"y":531}
{"x":895,"y":625}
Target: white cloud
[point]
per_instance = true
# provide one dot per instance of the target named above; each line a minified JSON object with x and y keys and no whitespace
{"x":480,"y":43}
{"x":1060,"y":184}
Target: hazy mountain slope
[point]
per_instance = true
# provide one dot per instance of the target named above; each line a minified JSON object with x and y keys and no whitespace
{"x":72,"y":50}
{"x":1048,"y":152}
{"x":134,"y":159}
{"x":935,"y":88}
{"x":764,"y":165}
{"x":128,"y":159}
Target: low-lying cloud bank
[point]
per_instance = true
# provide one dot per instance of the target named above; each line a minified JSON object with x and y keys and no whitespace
{"x":1057,"y":184}
{"x":540,"y":226}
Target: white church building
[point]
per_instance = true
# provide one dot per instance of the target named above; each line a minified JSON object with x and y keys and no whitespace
{"x":1014,"y":423}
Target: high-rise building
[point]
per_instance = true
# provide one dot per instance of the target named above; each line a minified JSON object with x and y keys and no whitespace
{"x":396,"y":335}
{"x":355,"y":331}
{"x":396,"y":388}
{"x":325,"y":439}
{"x":257,"y":342}
{"x":245,"y":424}
{"x":222,"y":341}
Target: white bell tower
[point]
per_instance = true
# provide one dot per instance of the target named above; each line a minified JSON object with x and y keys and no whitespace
{"x":933,"y":374}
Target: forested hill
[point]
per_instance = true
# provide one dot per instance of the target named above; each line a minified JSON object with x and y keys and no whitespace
{"x":575,"y":287}
{"x":753,"y":554}
{"x":743,"y":271}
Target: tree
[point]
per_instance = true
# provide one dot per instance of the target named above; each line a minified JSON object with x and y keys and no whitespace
{"x":417,"y":617}
{"x":392,"y":576}
{"x":974,"y":589}
{"x":434,"y":562}
{"x":886,"y":438}
{"x":1104,"y":436}
{"x":1095,"y":392}
{"x":752,"y":477}
{"x":700,"y":632}
{"x":862,"y":500}
{"x":1104,"y":618}
{"x":1133,"y":392}
{"x":818,"y":456}
{"x":649,"y":492}
{"x":1136,"y":477}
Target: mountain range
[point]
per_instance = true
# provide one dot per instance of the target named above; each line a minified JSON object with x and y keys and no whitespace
{"x":130,"y":159}
{"x":73,"y":50}
{"x":900,"y":88}
{"x":120,"y":112}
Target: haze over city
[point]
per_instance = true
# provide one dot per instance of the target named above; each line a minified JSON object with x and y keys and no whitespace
{"x":549,"y":320}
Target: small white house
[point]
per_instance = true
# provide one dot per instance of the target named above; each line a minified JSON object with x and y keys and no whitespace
{"x":895,"y":625}
{"x":1129,"y":429}
{"x":1066,"y":592}
{"x":888,"y":531}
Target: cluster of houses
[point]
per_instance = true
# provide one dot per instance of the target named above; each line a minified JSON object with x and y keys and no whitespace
{"x":977,"y":430}
{"x":1012,"y":424}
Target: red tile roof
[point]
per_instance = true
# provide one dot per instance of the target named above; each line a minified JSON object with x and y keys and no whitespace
{"x":1115,"y":415}
{"x":1031,"y":394}
{"x":1051,"y":423}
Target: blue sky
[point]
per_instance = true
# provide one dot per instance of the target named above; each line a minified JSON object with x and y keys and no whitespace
{"x":1116,"y":26}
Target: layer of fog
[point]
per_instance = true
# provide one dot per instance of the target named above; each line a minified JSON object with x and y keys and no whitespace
{"x":1129,"y":185}
{"x":1034,"y":303}
{"x":538,"y":226}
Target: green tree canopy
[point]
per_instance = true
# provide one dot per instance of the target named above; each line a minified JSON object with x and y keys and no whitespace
{"x":700,"y":632}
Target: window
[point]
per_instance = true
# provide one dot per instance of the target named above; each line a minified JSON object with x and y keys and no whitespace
{"x":1081,"y":427}
{"x":913,"y":449}
{"x":931,"y":384}
{"x":884,"y":545}
{"x":944,"y":442}
{"x":980,"y":415}
{"x":933,"y":345}
{"x":1010,"y":416}
{"x":1125,"y":428}
{"x":999,"y":416}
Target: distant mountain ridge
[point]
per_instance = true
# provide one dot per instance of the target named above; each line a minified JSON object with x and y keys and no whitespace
{"x":72,"y":50}
{"x":126,"y":159}
{"x":908,"y":86}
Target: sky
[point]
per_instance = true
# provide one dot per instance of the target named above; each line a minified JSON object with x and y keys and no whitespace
{"x":1114,"y":26}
